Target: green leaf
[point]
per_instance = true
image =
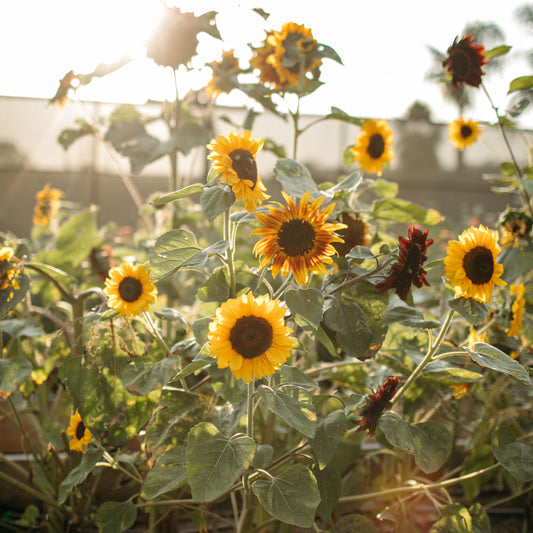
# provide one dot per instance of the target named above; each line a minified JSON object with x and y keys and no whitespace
{"x":481,"y":457}
{"x":196,"y":188}
{"x":166,"y":475}
{"x":171,"y":251}
{"x":198,"y":260}
{"x":429,"y":442}
{"x":215,"y":200}
{"x":329,"y":485}
{"x":386,"y":189}
{"x":360,"y":252}
{"x":216,"y":288}
{"x":397,"y":210}
{"x":490,"y":357}
{"x":347,"y":186}
{"x":13,"y":372}
{"x":520,"y":84}
{"x":69,"y":136}
{"x":263,"y":456}
{"x":214,"y":462}
{"x":456,"y":519}
{"x":473,"y":311}
{"x":410,"y":317}
{"x":329,"y":434}
{"x":295,"y":178}
{"x":114,"y":517}
{"x":497,"y":51}
{"x":452,"y":375}
{"x":305,"y":306}
{"x":291,"y":497}
{"x":75,"y":241}
{"x":79,"y":473}
{"x":141,"y":378}
{"x":293,"y":404}
{"x":103,"y":69}
{"x":10,"y":297}
{"x":516,"y":457}
{"x":339,"y":114}
{"x":327,"y":52}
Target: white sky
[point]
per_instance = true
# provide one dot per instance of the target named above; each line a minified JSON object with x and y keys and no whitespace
{"x":383,"y":45}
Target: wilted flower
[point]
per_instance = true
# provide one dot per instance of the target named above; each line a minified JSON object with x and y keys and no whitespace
{"x":408,"y":270}
{"x":464,"y":62}
{"x":515,"y":225}
{"x":517,"y":309}
{"x":65,"y":85}
{"x":224,"y":74}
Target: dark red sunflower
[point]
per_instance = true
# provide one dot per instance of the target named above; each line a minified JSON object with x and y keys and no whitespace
{"x":408,"y":270}
{"x":376,"y":405}
{"x":464,"y":62}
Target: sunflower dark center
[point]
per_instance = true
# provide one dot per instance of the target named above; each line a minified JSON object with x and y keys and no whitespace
{"x":296,"y":237}
{"x":479,"y":265}
{"x":130,"y":289}
{"x":466,"y":131}
{"x":80,"y":430}
{"x":412,"y":261}
{"x":243,"y":163}
{"x":376,"y":146}
{"x":251,"y":336}
{"x":460,"y":63}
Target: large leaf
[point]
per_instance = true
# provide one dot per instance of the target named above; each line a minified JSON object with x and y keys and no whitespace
{"x":293,"y":404}
{"x":115,"y":517}
{"x":214,"y":462}
{"x":409,"y":316}
{"x":473,"y":311}
{"x":141,"y":378}
{"x":13,"y":372}
{"x":305,"y":306}
{"x":329,"y":485}
{"x":490,"y":357}
{"x":516,"y":457}
{"x":79,"y":473}
{"x":295,"y":178}
{"x":215,"y":200}
{"x":458,"y":519}
{"x":195,"y":188}
{"x":429,"y":442}
{"x":398,"y":210}
{"x":329,"y":434}
{"x":166,"y":475}
{"x":497,"y":51}
{"x":11,"y":296}
{"x":291,"y":497}
{"x":171,"y":251}
{"x":520,"y":84}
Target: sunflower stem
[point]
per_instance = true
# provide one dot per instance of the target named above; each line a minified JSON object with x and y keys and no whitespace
{"x":518,"y":172}
{"x":432,"y":349}
{"x":250,"y":410}
{"x":229,"y":252}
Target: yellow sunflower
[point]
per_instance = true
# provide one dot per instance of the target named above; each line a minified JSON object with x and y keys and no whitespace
{"x":81,"y":436}
{"x":470,"y":263}
{"x":234,"y":157}
{"x":259,"y":61}
{"x":129,"y":289}
{"x":517,"y":309}
{"x":294,"y":48}
{"x":47,"y":205}
{"x":224,"y":75}
{"x":297,"y":237}
{"x":373,"y":148}
{"x":9,"y":272}
{"x":474,"y":336}
{"x":463,"y":132}
{"x":249,"y":336}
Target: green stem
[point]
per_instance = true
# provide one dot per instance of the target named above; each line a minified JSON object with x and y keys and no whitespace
{"x":433,"y":347}
{"x":518,"y":172}
{"x":250,"y":410}
{"x":296,"y":132}
{"x":229,"y":252}
{"x":36,"y":494}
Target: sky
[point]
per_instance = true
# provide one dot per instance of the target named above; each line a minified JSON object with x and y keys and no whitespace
{"x":383,"y":45}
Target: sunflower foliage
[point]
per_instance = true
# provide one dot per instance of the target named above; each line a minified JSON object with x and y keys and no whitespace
{"x":262,"y":362}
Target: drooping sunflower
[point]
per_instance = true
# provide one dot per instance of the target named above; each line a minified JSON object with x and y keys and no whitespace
{"x":470,"y":264}
{"x":463,"y":132}
{"x":517,"y":309}
{"x":293,"y":56}
{"x":234,"y":158}
{"x":354,"y":234}
{"x":224,"y":75}
{"x":464,"y":61}
{"x":129,"y":289}
{"x":408,"y":270}
{"x":515,"y":226}
{"x":81,"y":436}
{"x":47,"y":205}
{"x":373,"y":147}
{"x":297,"y":237}
{"x":249,"y":336}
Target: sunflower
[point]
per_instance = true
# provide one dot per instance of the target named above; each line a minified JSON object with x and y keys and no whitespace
{"x":408,"y":270}
{"x":267,"y":73}
{"x":234,"y":157}
{"x":464,"y":61}
{"x":129,"y":289}
{"x":297,"y":237}
{"x":249,"y":336}
{"x":515,"y":225}
{"x":373,"y":148}
{"x":517,"y":309}
{"x":470,"y":263}
{"x":474,"y":336}
{"x":354,"y":234}
{"x":81,"y":436}
{"x":224,"y":75}
{"x":463,"y":133}
{"x":47,"y":205}
{"x":293,"y":56}
{"x":9,"y":272}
